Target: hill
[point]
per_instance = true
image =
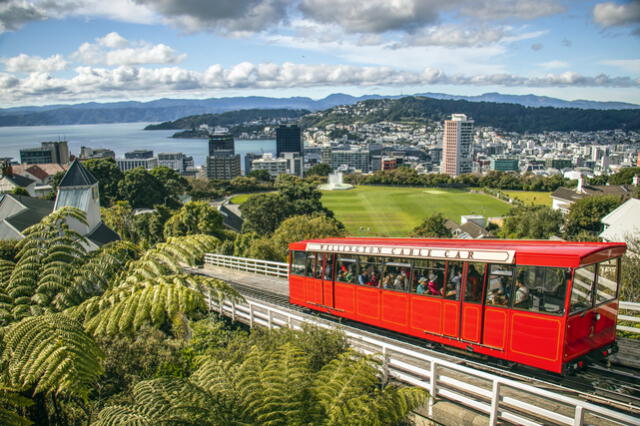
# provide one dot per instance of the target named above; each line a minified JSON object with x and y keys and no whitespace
{"x":504,"y":116}
{"x":171,"y":109}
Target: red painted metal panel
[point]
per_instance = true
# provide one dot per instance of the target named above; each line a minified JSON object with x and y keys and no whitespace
{"x":450,"y":317}
{"x":426,"y":314}
{"x":604,"y":331}
{"x":577,"y":337}
{"x":471,"y":322}
{"x":327,"y":293}
{"x":395,"y":308}
{"x":536,"y":337}
{"x":296,"y":289}
{"x":313,"y":291}
{"x":496,"y":323}
{"x":368,"y":302}
{"x":345,"y":297}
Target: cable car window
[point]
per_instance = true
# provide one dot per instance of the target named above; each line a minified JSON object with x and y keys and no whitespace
{"x":607,"y":282}
{"x":395,"y":274}
{"x":582,"y":291}
{"x":316,"y":269}
{"x":475,"y":282}
{"x":298,"y":263}
{"x":347,"y":269}
{"x":428,"y":277}
{"x":328,"y":267}
{"x":454,"y":281}
{"x":369,"y":273}
{"x":540,"y":289}
{"x":499,"y":285}
{"x":310,"y":261}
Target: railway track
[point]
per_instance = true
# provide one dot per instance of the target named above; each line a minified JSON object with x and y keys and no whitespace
{"x":610,"y":387}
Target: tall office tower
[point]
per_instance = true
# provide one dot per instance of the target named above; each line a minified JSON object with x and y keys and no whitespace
{"x":456,"y":145}
{"x":221,"y":144}
{"x":49,"y":152}
{"x":222,"y":162}
{"x":288,"y":139}
{"x":59,"y":151}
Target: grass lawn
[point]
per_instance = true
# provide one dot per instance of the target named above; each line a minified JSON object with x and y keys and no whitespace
{"x":241,"y":198}
{"x":394,"y":211}
{"x":531,"y":197}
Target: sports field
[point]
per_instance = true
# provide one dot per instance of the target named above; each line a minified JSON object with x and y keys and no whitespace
{"x":531,"y":197}
{"x":394,"y":211}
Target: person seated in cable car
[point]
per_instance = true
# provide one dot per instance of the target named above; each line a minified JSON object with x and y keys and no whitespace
{"x":453,"y":288}
{"x":364,"y":277}
{"x":521,"y":298}
{"x":422,"y":286}
{"x":401,"y":280}
{"x":388,"y":280}
{"x":433,"y":286}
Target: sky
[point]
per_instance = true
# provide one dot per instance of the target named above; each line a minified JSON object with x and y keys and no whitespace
{"x":70,"y":51}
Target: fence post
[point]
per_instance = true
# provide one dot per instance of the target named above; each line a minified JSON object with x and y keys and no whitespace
{"x":433,"y":390}
{"x":250,"y":315}
{"x":578,"y":419}
{"x":495,"y":403}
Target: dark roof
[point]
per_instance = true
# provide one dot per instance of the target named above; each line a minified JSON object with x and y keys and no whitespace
{"x":20,"y":181}
{"x":36,"y":171}
{"x":590,"y":190}
{"x":474,"y":230}
{"x":35,"y":210}
{"x":77,"y":175}
{"x":103,"y":235}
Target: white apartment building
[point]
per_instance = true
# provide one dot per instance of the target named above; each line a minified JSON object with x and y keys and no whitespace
{"x":456,"y":145}
{"x":125,"y":164}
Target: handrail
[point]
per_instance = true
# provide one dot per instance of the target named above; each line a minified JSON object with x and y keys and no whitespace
{"x":498,"y":397}
{"x":281,"y":270}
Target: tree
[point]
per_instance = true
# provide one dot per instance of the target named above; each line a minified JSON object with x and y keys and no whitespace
{"x":624,"y":176}
{"x":18,"y":190}
{"x":536,"y":222}
{"x":304,"y":227}
{"x":142,"y":189}
{"x":8,"y":250}
{"x":120,"y":218}
{"x":585,"y":214}
{"x":150,"y":225}
{"x":261,"y":175}
{"x":263,"y":213}
{"x":321,"y":169}
{"x":195,"y":217}
{"x":174,"y":184}
{"x":108,"y":176}
{"x":433,"y":227}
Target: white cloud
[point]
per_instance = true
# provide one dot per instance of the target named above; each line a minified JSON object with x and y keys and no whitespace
{"x":504,"y":9}
{"x":451,"y":35}
{"x":128,"y":81}
{"x":110,"y":50}
{"x":554,"y":64}
{"x":629,"y":65}
{"x":610,"y":14}
{"x":26,"y":63}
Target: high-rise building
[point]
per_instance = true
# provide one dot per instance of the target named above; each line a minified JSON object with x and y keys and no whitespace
{"x":222,"y":162}
{"x":288,"y":140}
{"x":221,"y":144}
{"x":355,"y":159}
{"x":248,"y":159}
{"x":456,"y":145}
{"x":49,"y":152}
{"x":172,"y":160}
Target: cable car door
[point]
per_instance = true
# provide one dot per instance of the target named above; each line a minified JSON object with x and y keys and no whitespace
{"x":327,"y":281}
{"x":471,"y":310}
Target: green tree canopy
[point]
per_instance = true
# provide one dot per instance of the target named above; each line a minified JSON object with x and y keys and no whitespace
{"x":263,"y":213}
{"x":304,"y":227}
{"x":261,"y":175}
{"x":120,"y":218}
{"x":536,"y":222}
{"x":142,"y":189}
{"x":433,"y":227}
{"x":321,"y":169}
{"x":174,"y":184}
{"x":108,"y":175}
{"x":195,"y":217}
{"x":585,"y":215}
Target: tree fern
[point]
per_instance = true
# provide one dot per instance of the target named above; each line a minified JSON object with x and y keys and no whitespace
{"x":50,"y":353}
{"x":9,"y":402}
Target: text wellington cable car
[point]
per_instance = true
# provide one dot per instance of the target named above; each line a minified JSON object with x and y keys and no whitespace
{"x":547,"y":304}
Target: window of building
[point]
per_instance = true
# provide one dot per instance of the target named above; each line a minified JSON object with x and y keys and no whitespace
{"x":499,"y":285}
{"x":540,"y":289}
{"x":582,"y":291}
{"x":474,"y":282}
{"x":607,"y":280}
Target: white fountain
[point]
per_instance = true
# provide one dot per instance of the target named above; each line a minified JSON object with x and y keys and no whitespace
{"x":335,"y":183}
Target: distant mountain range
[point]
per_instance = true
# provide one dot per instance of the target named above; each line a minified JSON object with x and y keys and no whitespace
{"x":171,"y":109}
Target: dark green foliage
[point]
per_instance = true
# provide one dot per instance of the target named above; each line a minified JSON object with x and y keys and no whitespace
{"x":261,"y":175}
{"x":8,"y":250}
{"x":150,"y":226}
{"x":433,"y":227}
{"x":624,"y":176}
{"x":18,"y":190}
{"x":142,"y":189}
{"x":108,"y":175}
{"x":585,"y":214}
{"x":321,"y":169}
{"x":263,"y":213}
{"x":534,"y":222}
{"x":195,"y":217}
{"x":174,"y":184}
{"x":227,"y":119}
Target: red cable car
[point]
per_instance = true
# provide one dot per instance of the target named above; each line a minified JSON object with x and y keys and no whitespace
{"x":547,"y":304}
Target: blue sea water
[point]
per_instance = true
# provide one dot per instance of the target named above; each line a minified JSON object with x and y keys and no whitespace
{"x":120,"y":137}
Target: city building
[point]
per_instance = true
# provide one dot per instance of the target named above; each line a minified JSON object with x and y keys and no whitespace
{"x":87,"y":153}
{"x":456,"y":145}
{"x":268,"y":162}
{"x":388,"y":163}
{"x":222,"y":161}
{"x":248,"y":160}
{"x":562,"y":198}
{"x":49,"y":152}
{"x":295,"y":163}
{"x":623,"y":223}
{"x":9,"y":181}
{"x":288,"y":139}
{"x":125,"y":164}
{"x":353,"y":159}
{"x":172,"y":160}
{"x":505,"y":165}
{"x":139,"y":154}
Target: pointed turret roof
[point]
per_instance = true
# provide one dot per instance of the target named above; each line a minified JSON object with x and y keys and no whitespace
{"x":77,"y":175}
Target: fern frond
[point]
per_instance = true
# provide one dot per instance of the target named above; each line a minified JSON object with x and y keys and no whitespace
{"x":9,"y":402}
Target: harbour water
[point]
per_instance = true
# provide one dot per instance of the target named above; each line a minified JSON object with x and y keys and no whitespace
{"x":119,"y":137}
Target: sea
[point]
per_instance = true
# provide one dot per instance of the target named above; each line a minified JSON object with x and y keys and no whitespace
{"x":119,"y":137}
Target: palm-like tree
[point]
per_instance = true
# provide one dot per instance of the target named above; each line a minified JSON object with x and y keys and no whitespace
{"x":271,"y":388}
